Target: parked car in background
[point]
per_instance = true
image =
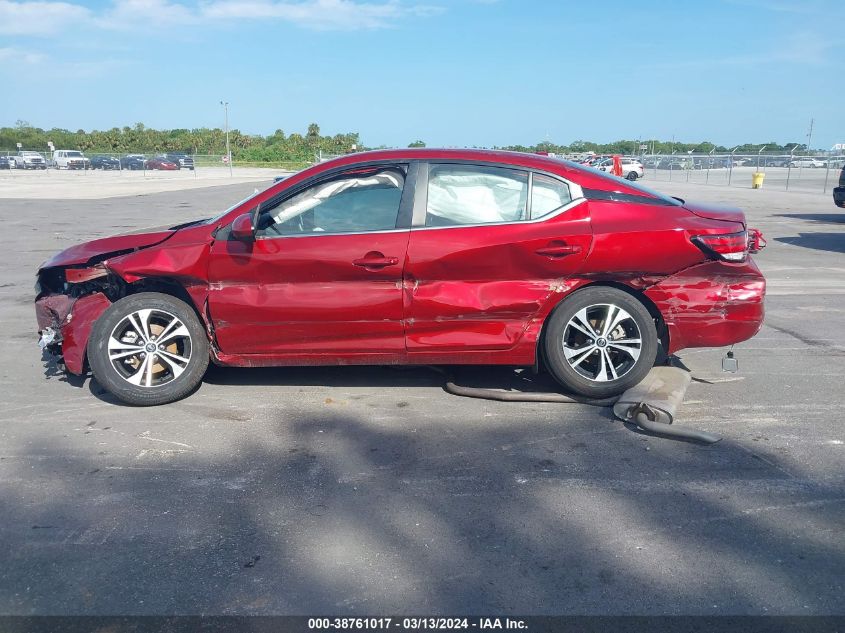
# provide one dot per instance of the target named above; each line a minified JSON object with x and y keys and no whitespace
{"x":133,"y":161}
{"x":183,"y":161}
{"x":412,"y":256}
{"x":30,"y":160}
{"x":7,"y":162}
{"x":776,"y":161}
{"x":806,"y":161}
{"x":159,"y":162}
{"x":70,"y":159}
{"x":671,"y":163}
{"x":103,"y":161}
{"x":631,"y":167}
{"x":839,"y":192}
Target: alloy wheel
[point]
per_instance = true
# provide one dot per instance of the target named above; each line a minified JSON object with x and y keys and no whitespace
{"x":602,"y":342}
{"x":150,"y":348}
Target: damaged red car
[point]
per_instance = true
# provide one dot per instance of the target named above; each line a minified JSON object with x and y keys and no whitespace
{"x":410,"y":257}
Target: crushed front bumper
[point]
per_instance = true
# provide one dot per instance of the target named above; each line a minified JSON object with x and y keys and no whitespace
{"x":64,"y":325}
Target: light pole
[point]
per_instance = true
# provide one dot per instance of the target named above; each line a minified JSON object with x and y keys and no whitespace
{"x":731,"y":167}
{"x":758,"y":156}
{"x":225,"y":105}
{"x":789,"y":165}
{"x":709,"y":165}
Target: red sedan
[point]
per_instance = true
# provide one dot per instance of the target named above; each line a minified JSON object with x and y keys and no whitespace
{"x":161,"y":163}
{"x":410,"y":257}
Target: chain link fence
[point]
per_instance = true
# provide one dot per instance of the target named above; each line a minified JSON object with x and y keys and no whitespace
{"x":133,"y":161}
{"x":811,"y":173}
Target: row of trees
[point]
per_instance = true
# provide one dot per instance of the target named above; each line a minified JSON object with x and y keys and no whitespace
{"x":139,"y":138}
{"x":301,"y":147}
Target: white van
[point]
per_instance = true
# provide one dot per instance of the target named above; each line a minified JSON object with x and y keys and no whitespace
{"x":70,"y":159}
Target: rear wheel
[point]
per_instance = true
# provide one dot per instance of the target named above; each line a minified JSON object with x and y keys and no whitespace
{"x":632,"y":176}
{"x":148,"y":349}
{"x":600,"y":341}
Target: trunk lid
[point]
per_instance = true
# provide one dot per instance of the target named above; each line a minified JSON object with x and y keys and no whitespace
{"x":716,"y":212}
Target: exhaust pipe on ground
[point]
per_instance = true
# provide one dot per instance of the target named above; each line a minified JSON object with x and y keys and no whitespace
{"x":653,"y":403}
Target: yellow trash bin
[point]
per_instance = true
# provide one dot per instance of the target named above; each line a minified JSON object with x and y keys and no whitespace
{"x":757,"y":180}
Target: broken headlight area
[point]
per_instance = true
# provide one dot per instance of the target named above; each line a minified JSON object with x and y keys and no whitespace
{"x":56,"y":292}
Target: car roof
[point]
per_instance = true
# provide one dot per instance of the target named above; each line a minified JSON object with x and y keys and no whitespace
{"x":585,"y":176}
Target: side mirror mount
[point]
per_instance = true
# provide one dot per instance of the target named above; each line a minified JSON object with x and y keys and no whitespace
{"x":242,"y":228}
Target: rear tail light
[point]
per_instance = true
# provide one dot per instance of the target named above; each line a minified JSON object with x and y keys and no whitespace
{"x":730,"y":247}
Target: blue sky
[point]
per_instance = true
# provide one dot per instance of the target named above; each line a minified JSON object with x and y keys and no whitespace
{"x":449,"y":72}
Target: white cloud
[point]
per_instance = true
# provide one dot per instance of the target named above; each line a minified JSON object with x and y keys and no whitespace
{"x":46,"y":18}
{"x":314,"y":14}
{"x":16,"y":56}
{"x":130,"y":14}
{"x":39,"y":18}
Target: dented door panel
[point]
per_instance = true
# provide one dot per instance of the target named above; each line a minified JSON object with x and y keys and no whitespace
{"x":305,"y":295}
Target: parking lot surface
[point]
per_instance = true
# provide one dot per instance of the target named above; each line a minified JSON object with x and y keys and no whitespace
{"x":372,"y":491}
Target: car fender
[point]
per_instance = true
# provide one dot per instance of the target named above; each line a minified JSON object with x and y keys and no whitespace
{"x":77,"y":329}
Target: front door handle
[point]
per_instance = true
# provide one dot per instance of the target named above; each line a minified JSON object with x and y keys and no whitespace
{"x":374,"y":260}
{"x":558,"y":250}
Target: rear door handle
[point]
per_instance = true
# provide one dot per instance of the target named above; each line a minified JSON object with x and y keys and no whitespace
{"x":558,"y":250}
{"x":372,"y":260}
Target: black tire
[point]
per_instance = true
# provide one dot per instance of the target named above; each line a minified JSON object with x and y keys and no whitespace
{"x":116,"y":381}
{"x":595,"y":299}
{"x":632,"y":176}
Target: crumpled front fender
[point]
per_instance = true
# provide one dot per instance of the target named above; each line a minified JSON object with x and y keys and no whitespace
{"x":188,"y":261}
{"x":77,"y":329}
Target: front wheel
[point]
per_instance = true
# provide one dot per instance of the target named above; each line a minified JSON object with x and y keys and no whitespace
{"x":148,"y":349}
{"x":632,"y":176}
{"x":600,"y":341}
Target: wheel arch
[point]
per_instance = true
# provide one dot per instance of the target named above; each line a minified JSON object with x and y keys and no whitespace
{"x":659,"y":321}
{"x":173,"y":287}
{"x":170,"y":286}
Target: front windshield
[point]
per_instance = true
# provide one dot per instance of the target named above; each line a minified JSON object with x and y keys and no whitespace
{"x":233,"y":207}
{"x":74,"y":154}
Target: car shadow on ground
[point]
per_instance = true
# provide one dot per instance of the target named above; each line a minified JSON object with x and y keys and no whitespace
{"x":833,"y":242}
{"x":505,"y":378}
{"x":483,"y":376}
{"x":829,"y":218}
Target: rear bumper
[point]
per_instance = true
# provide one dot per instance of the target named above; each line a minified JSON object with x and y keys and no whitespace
{"x":714,"y":304}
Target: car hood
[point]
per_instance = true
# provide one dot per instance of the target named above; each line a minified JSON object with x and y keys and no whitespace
{"x":716,"y":212}
{"x":106,"y":247}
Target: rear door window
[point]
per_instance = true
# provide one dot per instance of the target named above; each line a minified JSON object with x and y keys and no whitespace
{"x":547,"y":195}
{"x":475,"y":194}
